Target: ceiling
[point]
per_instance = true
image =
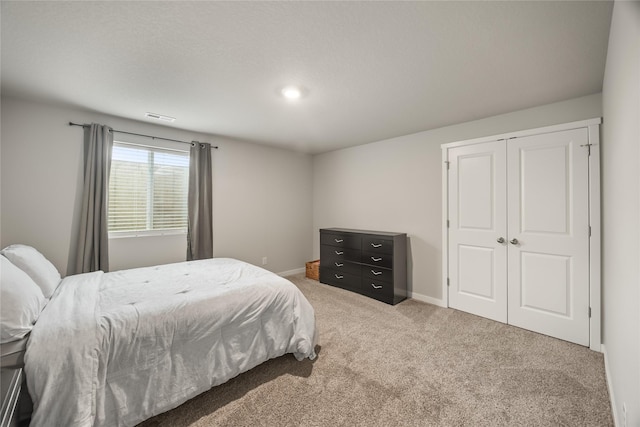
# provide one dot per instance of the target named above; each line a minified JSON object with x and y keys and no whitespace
{"x":371,"y":70}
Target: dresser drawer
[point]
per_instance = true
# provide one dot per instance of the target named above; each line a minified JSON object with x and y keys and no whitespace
{"x":346,"y":240}
{"x":377,"y":244}
{"x":330,"y":254}
{"x":377,"y":289}
{"x":343,"y":266}
{"x":340,"y":278}
{"x":377,"y":259}
{"x":377,"y":273}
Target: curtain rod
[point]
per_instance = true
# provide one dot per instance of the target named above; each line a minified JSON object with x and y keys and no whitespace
{"x":140,"y":134}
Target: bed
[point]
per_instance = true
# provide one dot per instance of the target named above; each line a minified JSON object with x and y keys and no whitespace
{"x":118,"y":348}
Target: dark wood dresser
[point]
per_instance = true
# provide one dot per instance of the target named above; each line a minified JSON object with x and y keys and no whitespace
{"x":372,"y":263}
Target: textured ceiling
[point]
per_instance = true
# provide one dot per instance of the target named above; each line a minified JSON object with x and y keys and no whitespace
{"x":373,"y":70}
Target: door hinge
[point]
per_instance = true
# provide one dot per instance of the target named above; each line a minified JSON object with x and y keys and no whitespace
{"x":588,"y":148}
{"x":589,"y":312}
{"x":589,"y":231}
{"x":447,"y":223}
{"x":448,"y":283}
{"x":447,"y":162}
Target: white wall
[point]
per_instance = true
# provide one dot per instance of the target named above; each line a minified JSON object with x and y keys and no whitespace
{"x":262,"y":195}
{"x":396,"y":185}
{"x":621,"y":211}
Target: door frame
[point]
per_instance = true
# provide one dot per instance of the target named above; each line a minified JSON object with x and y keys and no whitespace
{"x":595,"y":287}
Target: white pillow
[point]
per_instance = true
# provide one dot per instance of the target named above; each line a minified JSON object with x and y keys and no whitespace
{"x":20,"y":304}
{"x":35,"y":265}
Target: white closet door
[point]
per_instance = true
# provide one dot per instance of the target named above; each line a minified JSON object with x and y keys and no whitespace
{"x":477,"y":206}
{"x":548,"y":206}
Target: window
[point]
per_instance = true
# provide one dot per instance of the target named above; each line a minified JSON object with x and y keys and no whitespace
{"x":147,"y":190}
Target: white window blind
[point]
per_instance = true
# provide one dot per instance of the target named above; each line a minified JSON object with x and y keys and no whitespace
{"x":147,"y":190}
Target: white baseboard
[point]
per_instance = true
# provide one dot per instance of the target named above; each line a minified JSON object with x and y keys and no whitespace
{"x":292,"y":272}
{"x":414,"y":295}
{"x":427,"y":299}
{"x":614,"y":413}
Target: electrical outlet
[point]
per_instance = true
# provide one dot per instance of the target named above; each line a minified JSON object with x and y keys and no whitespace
{"x":264,"y":260}
{"x":624,"y":414}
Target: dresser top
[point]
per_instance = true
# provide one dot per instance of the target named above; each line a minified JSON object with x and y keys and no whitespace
{"x":350,"y":230}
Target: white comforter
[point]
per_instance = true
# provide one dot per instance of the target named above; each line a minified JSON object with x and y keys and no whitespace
{"x":118,"y":348}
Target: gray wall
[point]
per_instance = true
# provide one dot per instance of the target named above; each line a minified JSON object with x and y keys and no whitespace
{"x":262,"y":195}
{"x":621,"y":211}
{"x":396,"y":184}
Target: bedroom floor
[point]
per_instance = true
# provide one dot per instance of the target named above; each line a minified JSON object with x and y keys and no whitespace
{"x":412,"y":364}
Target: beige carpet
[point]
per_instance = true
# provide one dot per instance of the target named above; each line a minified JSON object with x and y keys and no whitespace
{"x":412,"y":364}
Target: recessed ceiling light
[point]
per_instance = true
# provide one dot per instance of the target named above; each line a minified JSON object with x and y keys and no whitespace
{"x":160,"y":117}
{"x":291,"y":92}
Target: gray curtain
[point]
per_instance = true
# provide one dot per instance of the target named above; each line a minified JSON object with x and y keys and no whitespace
{"x":93,"y":239}
{"x":200,"y":227}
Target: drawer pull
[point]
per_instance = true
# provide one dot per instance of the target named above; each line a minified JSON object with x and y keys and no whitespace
{"x":339,"y":276}
{"x":376,"y":273}
{"x":376,"y":245}
{"x":376,"y":287}
{"x":339,"y":252}
{"x":376,"y":259}
{"x":339,"y":264}
{"x":339,"y":240}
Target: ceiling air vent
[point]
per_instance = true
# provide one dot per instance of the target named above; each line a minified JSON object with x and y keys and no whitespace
{"x":160,"y":117}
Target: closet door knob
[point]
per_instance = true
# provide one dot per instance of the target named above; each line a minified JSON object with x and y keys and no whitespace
{"x":513,"y":241}
{"x":500,"y":240}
